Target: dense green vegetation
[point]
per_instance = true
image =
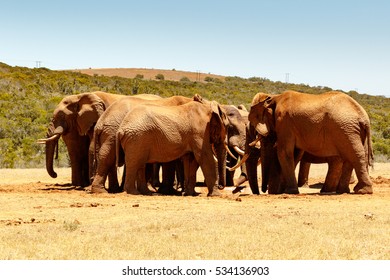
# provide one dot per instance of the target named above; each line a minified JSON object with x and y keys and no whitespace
{"x":29,"y":96}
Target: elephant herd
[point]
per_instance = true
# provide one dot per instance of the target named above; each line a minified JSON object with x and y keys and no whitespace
{"x":103,"y":131}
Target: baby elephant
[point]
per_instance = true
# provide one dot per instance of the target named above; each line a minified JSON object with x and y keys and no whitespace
{"x":152,"y":133}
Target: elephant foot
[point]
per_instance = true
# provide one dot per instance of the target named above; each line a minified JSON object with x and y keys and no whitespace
{"x":146,"y":192}
{"x":133,"y":192}
{"x":116,"y":189}
{"x":98,"y":189}
{"x":343,"y":190}
{"x":327,"y":189}
{"x":168,"y":191}
{"x":363,"y":190}
{"x":292,"y":191}
{"x":214,"y":192}
{"x":191,"y":194}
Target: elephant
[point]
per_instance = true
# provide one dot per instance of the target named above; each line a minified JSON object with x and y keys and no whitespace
{"x":238,"y":119}
{"x":151,"y":133}
{"x":74,"y":119}
{"x":236,"y":132}
{"x":104,"y":136}
{"x":331,"y":124}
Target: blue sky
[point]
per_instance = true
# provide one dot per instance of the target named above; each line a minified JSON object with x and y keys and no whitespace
{"x":341,"y":44}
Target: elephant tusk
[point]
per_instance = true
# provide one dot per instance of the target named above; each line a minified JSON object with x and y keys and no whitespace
{"x":214,"y":153}
{"x":239,"y":163}
{"x":239,"y":151}
{"x":45,"y":140}
{"x":255,"y":142}
{"x":228,"y":150}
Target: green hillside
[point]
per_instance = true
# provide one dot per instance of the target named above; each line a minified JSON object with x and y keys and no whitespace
{"x":29,"y":96}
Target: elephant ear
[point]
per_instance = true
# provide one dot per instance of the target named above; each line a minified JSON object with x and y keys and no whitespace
{"x":90,"y":108}
{"x":218,"y":124}
{"x":262,"y":117}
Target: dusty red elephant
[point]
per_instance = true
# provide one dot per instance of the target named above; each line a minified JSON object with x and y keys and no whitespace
{"x":324,"y":125}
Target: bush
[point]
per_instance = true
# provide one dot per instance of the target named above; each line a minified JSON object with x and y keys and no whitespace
{"x":386,"y":133}
{"x":160,"y":77}
{"x":184,"y":79}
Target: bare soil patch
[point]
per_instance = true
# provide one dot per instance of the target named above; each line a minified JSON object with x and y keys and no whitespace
{"x":45,"y":218}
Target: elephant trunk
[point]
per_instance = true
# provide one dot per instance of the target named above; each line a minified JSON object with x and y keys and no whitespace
{"x":270,"y":167}
{"x":252,"y":161}
{"x":50,"y":148}
{"x":251,"y":169}
{"x":221,"y":157}
{"x":265,"y":166}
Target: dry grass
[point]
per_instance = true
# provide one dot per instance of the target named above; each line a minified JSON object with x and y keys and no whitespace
{"x":39,"y":220}
{"x":149,"y":74}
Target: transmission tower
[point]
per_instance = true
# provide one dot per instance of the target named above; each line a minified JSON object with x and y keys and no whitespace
{"x":287,"y":78}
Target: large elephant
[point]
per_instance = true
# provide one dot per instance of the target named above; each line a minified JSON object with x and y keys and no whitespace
{"x":152,"y":133}
{"x":105,"y":133}
{"x":74,"y":119}
{"x":326,"y":125}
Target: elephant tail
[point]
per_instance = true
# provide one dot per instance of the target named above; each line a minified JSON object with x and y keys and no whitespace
{"x":119,"y":150}
{"x":96,"y":142}
{"x":368,"y":146}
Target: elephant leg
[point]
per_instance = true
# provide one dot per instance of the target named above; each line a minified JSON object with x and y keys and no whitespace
{"x":155,"y":175}
{"x":91,"y":161}
{"x":357,"y":158}
{"x":333,"y":176}
{"x":122,"y":186}
{"x":131,"y":176}
{"x":105,"y":166}
{"x":97,"y":184}
{"x":190,"y":166}
{"x":80,"y":172}
{"x":303,"y":175}
{"x":142,"y":185}
{"x":364,"y":185}
{"x":211,"y":179}
{"x":168,"y":178}
{"x":287,"y":163}
{"x":346,"y":171}
{"x":113,"y":184}
{"x":179,"y":168}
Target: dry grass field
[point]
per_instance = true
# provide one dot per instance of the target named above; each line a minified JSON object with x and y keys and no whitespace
{"x":41,"y":218}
